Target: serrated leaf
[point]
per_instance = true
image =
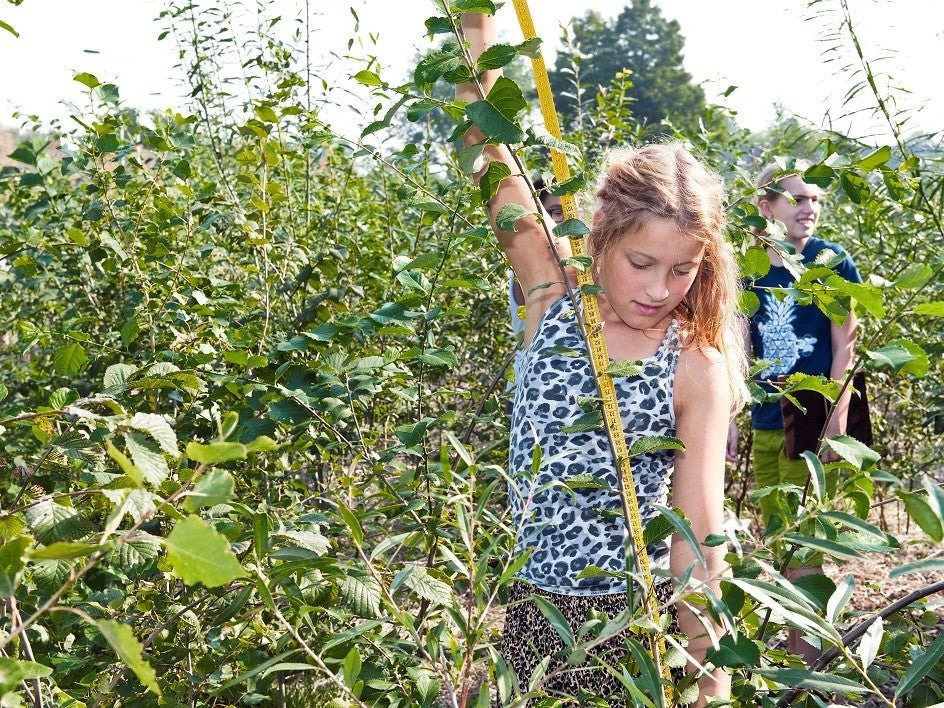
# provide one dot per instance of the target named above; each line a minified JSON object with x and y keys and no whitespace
{"x":147,"y":458}
{"x":509,"y":215}
{"x":129,"y":650}
{"x":137,"y":552}
{"x":625,"y":368}
{"x":200,"y":554}
{"x":159,"y":429}
{"x":214,"y":487}
{"x":116,"y":377}
{"x":70,"y":359}
{"x":652,"y":443}
{"x":585,"y":423}
{"x":309,"y":540}
{"x":362,"y":595}
{"x":367,"y":78}
{"x":89,"y":80}
{"x":53,"y":522}
{"x":490,"y":180}
{"x":496,"y":56}
{"x":915,"y":276}
{"x":429,"y":588}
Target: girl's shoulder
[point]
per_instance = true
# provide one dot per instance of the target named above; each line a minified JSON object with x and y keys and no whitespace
{"x":701,"y":380}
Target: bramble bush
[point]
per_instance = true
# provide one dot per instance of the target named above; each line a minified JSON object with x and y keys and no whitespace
{"x":253,"y":413}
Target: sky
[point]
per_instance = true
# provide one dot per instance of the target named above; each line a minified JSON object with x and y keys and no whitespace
{"x":772,"y":51}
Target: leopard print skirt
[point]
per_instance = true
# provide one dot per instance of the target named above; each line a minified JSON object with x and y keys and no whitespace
{"x":528,"y":638}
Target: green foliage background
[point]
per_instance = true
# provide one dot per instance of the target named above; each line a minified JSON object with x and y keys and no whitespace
{"x":253,"y":412}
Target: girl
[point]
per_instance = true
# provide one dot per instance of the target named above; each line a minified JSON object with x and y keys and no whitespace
{"x":669,"y":297}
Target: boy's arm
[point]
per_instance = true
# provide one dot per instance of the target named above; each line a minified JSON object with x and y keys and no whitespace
{"x":843,"y":341}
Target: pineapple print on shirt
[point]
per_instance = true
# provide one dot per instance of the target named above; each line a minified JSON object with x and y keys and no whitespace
{"x":780,"y":342}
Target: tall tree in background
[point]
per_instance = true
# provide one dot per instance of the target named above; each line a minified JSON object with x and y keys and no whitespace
{"x":642,"y":41}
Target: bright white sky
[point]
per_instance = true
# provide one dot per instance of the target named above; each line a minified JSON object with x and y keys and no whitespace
{"x":770,"y":49}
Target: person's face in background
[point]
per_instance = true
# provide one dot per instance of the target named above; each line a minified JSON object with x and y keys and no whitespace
{"x":552,"y":205}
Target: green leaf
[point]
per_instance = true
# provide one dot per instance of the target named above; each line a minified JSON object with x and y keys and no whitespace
{"x":832,"y":548}
{"x":735,"y":650}
{"x":652,"y":443}
{"x":367,"y":78}
{"x":556,"y":619}
{"x":420,"y":581}
{"x":309,"y":540}
{"x":585,"y":423}
{"x":921,"y":667}
{"x":215,"y":487}
{"x":855,"y":187}
{"x":66,"y":550}
{"x":875,"y":159}
{"x":853,"y":451}
{"x":755,"y":263}
{"x":491,"y":179}
{"x":88,"y":80}
{"x":147,"y":458}
{"x":495,"y":115}
{"x":496,"y":56}
{"x":871,"y":640}
{"x":934,"y":309}
{"x":571,"y":227}
{"x":928,"y":565}
{"x":923,"y":515}
{"x":814,"y":681}
{"x":902,"y":356}
{"x":352,"y":667}
{"x":915,"y":276}
{"x":116,"y":377}
{"x":12,"y":672}
{"x":840,"y":598}
{"x":362,"y":595}
{"x":683,"y":529}
{"x":129,"y":650}
{"x":200,"y":554}
{"x":70,"y":359}
{"x":215,"y":453}
{"x":509,"y":215}
{"x":158,"y":428}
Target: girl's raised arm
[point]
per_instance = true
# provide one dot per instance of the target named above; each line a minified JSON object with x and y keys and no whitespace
{"x":527,"y":247}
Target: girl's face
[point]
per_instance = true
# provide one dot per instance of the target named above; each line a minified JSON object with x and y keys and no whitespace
{"x":648,"y":273}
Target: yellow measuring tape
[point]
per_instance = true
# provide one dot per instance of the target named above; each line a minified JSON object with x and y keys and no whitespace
{"x":599,"y":358}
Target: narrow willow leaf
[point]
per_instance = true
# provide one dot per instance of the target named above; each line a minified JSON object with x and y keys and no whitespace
{"x":215,"y":453}
{"x":923,"y":515}
{"x":840,"y":598}
{"x":921,"y":667}
{"x":200,"y":554}
{"x":814,"y":681}
{"x":66,"y":550}
{"x":129,"y":650}
{"x":683,"y":529}
{"x":928,"y":565}
{"x":833,"y":548}
{"x":870,"y":643}
{"x":556,"y":619}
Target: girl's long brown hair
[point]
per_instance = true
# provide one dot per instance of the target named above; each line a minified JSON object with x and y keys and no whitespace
{"x":665,"y":181}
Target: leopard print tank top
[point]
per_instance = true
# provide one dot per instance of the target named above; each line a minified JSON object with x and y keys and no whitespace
{"x":564,"y":489}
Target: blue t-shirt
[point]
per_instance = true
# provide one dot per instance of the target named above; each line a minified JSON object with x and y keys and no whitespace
{"x":797,"y":338}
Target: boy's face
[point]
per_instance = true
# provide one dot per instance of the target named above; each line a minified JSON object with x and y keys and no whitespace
{"x":799,"y":218}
